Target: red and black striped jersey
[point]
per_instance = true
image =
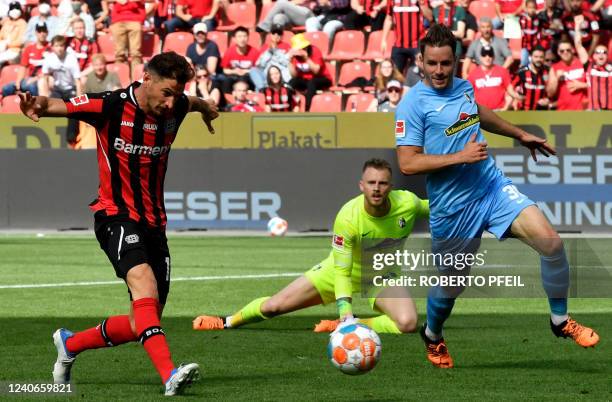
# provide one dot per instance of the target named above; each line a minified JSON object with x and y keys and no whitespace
{"x":368,"y":5}
{"x":132,"y":151}
{"x":532,"y":85}
{"x":600,"y":86}
{"x":408,"y":22}
{"x":531,"y":31}
{"x":281,"y":100}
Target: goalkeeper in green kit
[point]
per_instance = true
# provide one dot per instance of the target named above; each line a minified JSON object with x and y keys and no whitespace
{"x":378,"y":213}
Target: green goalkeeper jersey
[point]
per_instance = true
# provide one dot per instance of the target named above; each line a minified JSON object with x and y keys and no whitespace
{"x":353,"y":224}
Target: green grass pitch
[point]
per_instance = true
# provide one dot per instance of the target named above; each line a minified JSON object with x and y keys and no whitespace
{"x":503,"y":349}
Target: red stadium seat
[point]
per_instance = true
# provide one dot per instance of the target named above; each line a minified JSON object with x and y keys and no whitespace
{"x":320,"y":40}
{"x":150,"y":45}
{"x":106,"y":43}
{"x":482,"y":8}
{"x":326,"y":102}
{"x":220,"y":38}
{"x":178,"y":42}
{"x":348,"y":45}
{"x":331,"y":67}
{"x":352,"y":70}
{"x":123,"y":71}
{"x":9,"y":73}
{"x":265,"y":9}
{"x":239,"y":14}
{"x":359,"y":102}
{"x":373,"y":50}
{"x":258,"y":98}
{"x":137,"y":72}
{"x":10,"y":104}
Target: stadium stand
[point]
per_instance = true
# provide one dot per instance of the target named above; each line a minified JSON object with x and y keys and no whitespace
{"x":359,"y":102}
{"x":326,"y":102}
{"x":348,"y":45}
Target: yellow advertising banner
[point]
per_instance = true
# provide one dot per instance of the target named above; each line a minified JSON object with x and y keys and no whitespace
{"x":319,"y":130}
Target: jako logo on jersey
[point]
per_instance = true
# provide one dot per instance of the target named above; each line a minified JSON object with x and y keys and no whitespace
{"x":120,"y":145}
{"x":338,"y":242}
{"x":145,"y":126}
{"x":465,"y":121}
{"x":400,"y":129}
{"x":79,"y":100}
{"x":131,"y":239}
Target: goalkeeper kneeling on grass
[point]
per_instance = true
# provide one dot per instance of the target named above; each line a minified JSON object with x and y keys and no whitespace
{"x":378,"y":213}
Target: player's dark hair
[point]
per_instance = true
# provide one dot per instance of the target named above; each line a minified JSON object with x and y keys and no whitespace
{"x":438,"y":36}
{"x":378,"y":164}
{"x":240,"y":29}
{"x":538,"y":48}
{"x":171,"y":65}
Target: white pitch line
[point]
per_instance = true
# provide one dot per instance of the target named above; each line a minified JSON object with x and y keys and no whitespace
{"x":180,"y":279}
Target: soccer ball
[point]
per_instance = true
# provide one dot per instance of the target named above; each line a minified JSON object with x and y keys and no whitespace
{"x":277,"y":226}
{"x":354,"y":349}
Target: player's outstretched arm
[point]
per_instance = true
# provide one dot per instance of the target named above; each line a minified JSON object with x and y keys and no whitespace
{"x":493,"y":123}
{"x":207,"y":108}
{"x":36,"y":107}
{"x":412,"y":160}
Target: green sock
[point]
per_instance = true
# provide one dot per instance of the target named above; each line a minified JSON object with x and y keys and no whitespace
{"x":381,"y":324}
{"x":248,"y":314}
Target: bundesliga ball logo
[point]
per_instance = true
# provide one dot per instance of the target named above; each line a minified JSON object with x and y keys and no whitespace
{"x":277,"y":226}
{"x":354,"y":349}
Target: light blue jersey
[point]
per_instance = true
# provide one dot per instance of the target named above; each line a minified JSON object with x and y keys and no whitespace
{"x":442,"y":122}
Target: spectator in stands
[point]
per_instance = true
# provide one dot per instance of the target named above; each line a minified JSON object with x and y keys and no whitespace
{"x":567,"y":80}
{"x":273,"y":54}
{"x":453,"y":17}
{"x":241,"y":102}
{"x":471,"y":25}
{"x":407,"y":19}
{"x":81,"y":11}
{"x":44,"y":16}
{"x":83,"y":48}
{"x":503,"y":54}
{"x":286,"y":14}
{"x":204,"y":52}
{"x":330,"y":17}
{"x":127,"y":17}
{"x":238,"y":60}
{"x":4,"y":7}
{"x":552,"y":26}
{"x":191,"y":12}
{"x":492,"y":82}
{"x":62,"y":68}
{"x":12,"y":34}
{"x":307,"y":68}
{"x":365,"y":13}
{"x":414,"y":74}
{"x":589,"y":25}
{"x":386,"y":72}
{"x":204,"y":87}
{"x":279,"y":96}
{"x":31,"y":58}
{"x":505,"y":9}
{"x":531,"y":31}
{"x":598,"y":72}
{"x":394,"y":89}
{"x":99,"y":11}
{"x":531,"y":80}
{"x":100,"y":79}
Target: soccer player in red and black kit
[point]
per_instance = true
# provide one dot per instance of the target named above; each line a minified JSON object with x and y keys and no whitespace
{"x":530,"y":81}
{"x":135,"y":129}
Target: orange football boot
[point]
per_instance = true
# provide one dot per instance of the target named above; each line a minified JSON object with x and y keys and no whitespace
{"x":437,"y":353}
{"x":583,"y":336}
{"x":208,"y":323}
{"x":326,"y":326}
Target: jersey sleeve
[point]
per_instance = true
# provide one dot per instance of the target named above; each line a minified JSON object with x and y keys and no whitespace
{"x":409,"y":123}
{"x":88,"y":108}
{"x":342,"y":250}
{"x":421,"y":206}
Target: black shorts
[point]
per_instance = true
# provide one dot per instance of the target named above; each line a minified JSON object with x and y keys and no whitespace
{"x":128,"y":244}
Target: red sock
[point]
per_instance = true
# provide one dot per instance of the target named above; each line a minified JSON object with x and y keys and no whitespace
{"x":117,"y":330}
{"x":152,"y":336}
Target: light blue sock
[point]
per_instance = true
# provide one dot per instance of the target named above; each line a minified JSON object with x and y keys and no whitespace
{"x":438,"y":309}
{"x":555,"y":280}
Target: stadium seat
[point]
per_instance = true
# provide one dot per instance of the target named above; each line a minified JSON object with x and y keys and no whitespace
{"x":9,"y":73}
{"x":150,"y":45}
{"x":137,"y":72}
{"x":352,"y":70}
{"x":106,"y":43}
{"x":123,"y":71}
{"x":320,"y":40}
{"x":258,"y":98}
{"x":331,"y":67}
{"x":220,"y":38}
{"x":373,"y":50}
{"x":348,"y":45}
{"x":359,"y":102}
{"x":10,"y":104}
{"x":239,"y":14}
{"x":178,"y":42}
{"x":326,"y":102}
{"x":482,"y":8}
{"x":265,"y":9}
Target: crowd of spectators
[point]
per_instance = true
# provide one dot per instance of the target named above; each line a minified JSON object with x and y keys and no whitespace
{"x":518,"y":54}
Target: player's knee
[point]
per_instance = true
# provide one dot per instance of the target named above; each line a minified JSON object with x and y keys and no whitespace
{"x":142,"y":283}
{"x":406,"y":324}
{"x":551,"y":246}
